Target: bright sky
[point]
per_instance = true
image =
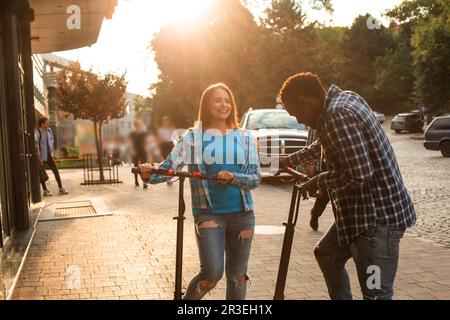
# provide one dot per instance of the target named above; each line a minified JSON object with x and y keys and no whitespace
{"x":123,"y":44}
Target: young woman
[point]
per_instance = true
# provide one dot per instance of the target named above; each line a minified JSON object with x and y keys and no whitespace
{"x":223,"y":212}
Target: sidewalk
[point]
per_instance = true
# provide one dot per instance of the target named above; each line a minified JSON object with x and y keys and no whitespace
{"x":130,"y":254}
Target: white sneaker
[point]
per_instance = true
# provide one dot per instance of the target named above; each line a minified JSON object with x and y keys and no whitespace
{"x":47,"y":193}
{"x":62,"y":192}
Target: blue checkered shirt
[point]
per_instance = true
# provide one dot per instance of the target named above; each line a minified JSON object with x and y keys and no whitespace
{"x":363,"y":178}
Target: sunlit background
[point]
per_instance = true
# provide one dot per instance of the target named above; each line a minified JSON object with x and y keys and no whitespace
{"x":123,"y":44}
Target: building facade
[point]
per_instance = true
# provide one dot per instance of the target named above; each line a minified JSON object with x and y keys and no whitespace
{"x":28,"y":28}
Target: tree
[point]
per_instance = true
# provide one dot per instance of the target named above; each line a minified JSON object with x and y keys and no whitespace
{"x":284,"y":16}
{"x":89,"y":96}
{"x":394,"y":79}
{"x":223,"y":46}
{"x":361,"y":47}
{"x":430,"y":42}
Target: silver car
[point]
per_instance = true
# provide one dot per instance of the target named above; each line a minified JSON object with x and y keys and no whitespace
{"x":276,"y":133}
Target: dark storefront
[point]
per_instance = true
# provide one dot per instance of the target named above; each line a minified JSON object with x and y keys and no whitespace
{"x":18,"y":176}
{"x":30,"y":27}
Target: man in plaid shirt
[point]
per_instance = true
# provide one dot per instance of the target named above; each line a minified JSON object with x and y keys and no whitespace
{"x":371,"y":205}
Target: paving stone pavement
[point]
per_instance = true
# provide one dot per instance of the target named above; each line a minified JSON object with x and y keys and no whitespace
{"x":130,"y":254}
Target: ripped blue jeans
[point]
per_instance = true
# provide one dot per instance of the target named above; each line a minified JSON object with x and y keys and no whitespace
{"x":219,"y":234}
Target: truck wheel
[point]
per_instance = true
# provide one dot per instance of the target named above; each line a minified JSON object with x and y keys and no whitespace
{"x":445,"y":148}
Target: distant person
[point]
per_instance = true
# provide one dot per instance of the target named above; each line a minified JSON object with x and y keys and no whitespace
{"x":422,"y":111}
{"x":153,"y":152}
{"x":165,"y":139}
{"x":165,"y":132}
{"x":138,"y":139}
{"x":426,"y":120}
{"x":43,"y":176}
{"x":46,"y":143}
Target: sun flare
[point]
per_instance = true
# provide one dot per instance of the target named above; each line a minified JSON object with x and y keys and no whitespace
{"x":182,"y":10}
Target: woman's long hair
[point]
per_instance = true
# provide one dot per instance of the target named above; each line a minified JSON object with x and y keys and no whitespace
{"x":203,"y":112}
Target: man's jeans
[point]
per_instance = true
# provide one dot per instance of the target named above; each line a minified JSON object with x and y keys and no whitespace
{"x":375,"y":253}
{"x":217,"y":234}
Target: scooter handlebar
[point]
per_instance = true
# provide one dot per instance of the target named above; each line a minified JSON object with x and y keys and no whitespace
{"x":173,"y":173}
{"x":294,"y":173}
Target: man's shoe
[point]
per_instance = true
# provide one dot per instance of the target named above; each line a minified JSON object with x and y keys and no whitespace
{"x":136,"y":184}
{"x":62,"y":192}
{"x":47,"y":193}
{"x":314,"y":223}
{"x":169,"y":182}
{"x":145,"y":186}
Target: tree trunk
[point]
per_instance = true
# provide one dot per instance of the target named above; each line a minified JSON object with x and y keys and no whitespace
{"x":99,"y":151}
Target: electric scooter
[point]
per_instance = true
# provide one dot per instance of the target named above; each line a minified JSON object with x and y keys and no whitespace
{"x":182,"y":175}
{"x":298,"y":193}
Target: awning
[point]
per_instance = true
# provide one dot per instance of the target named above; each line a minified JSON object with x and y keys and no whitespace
{"x":49,"y":32}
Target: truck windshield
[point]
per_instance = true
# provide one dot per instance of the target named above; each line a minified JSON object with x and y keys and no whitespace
{"x":273,"y":120}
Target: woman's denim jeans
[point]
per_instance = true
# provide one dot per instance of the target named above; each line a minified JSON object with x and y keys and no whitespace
{"x":375,"y":253}
{"x":217,"y":234}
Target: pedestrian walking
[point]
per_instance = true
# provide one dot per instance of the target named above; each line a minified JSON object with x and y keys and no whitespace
{"x":138,"y":141}
{"x":165,"y":139}
{"x":46,"y":147}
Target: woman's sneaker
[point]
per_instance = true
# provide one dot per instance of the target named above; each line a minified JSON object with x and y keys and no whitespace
{"x":62,"y":192}
{"x":47,"y":193}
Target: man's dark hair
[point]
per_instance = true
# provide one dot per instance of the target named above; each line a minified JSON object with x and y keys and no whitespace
{"x":304,"y":84}
{"x":41,"y":121}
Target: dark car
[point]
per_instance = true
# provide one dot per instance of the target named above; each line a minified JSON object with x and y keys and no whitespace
{"x":437,"y":135}
{"x":410,"y":122}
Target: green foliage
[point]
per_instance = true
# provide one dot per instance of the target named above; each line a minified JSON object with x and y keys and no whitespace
{"x":428,"y":22}
{"x":69,"y":152}
{"x":391,"y":67}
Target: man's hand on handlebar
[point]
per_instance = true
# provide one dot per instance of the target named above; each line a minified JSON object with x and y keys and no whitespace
{"x":312,"y":185}
{"x":144,"y":171}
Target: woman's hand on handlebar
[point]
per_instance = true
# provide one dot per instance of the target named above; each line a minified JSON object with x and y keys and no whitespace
{"x":144,"y":170}
{"x":225,"y":177}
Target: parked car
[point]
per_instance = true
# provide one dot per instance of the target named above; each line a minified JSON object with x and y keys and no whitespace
{"x":410,"y":122}
{"x":380,"y":117}
{"x":276,"y":133}
{"x":437,"y":135}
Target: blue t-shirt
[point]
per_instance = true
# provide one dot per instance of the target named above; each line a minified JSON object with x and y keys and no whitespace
{"x":221,"y":155}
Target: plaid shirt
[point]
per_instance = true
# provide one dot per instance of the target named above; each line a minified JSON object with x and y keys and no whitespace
{"x":363,"y":178}
{"x":188,"y":151}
